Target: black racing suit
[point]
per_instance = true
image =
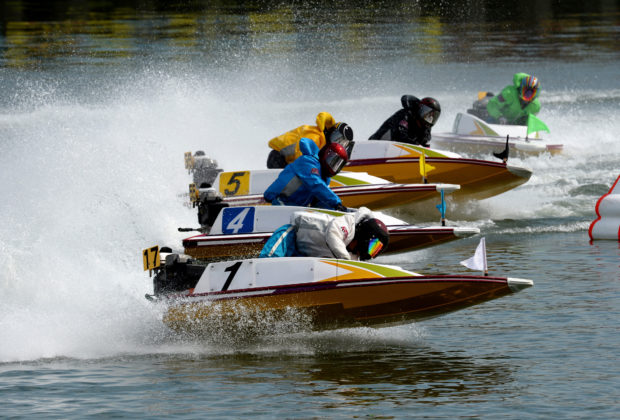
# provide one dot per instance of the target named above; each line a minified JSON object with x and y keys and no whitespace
{"x":405,"y":128}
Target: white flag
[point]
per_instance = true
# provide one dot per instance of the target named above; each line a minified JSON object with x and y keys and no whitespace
{"x":479,"y":260}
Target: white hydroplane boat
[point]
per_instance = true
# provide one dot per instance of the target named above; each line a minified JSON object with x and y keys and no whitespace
{"x":473,"y":136}
{"x":239,"y":232}
{"x":329,"y":293}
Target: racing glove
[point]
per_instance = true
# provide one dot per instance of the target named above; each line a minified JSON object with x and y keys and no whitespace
{"x":340,"y":207}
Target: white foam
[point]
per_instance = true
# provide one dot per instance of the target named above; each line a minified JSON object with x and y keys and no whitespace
{"x":88,"y":184}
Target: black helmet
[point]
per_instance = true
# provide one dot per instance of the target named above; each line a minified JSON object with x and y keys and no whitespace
{"x":340,"y":133}
{"x":372,"y":237}
{"x":429,"y":111}
{"x":341,"y":130}
{"x":333,"y":158}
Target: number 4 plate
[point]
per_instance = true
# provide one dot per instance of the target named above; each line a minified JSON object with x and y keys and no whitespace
{"x":238,"y":220}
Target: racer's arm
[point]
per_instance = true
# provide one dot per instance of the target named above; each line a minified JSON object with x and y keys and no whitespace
{"x":422,"y":137}
{"x":495,"y":106}
{"x":270,"y":193}
{"x":533,"y":107}
{"x":310,"y":175}
{"x":498,"y":105}
{"x":275,"y":189}
{"x":339,"y":234}
{"x":287,"y":144}
{"x":400,"y":130}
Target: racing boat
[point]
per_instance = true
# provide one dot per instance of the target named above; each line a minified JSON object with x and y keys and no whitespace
{"x":241,"y":232}
{"x":325,"y":293}
{"x":246,"y":187}
{"x":607,"y":223}
{"x":474,"y":136}
{"x":400,"y":163}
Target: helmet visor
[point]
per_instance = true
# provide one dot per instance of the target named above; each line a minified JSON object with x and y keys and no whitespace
{"x":341,"y":140}
{"x":428,"y":114}
{"x":341,"y":134}
{"x":529,"y":88}
{"x":336,"y":137}
{"x":374,"y":247}
{"x":528,"y":93}
{"x":334,"y":162}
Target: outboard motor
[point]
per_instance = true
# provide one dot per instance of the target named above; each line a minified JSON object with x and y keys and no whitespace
{"x":209,"y":205}
{"x":205,"y":169}
{"x":479,"y":108}
{"x":178,"y":274}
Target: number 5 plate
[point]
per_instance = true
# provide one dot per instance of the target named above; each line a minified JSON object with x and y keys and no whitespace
{"x":235,"y":183}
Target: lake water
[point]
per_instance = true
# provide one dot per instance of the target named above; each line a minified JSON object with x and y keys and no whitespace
{"x":98,"y":103}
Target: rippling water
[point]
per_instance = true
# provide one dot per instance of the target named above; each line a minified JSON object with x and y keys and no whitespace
{"x":98,"y":103}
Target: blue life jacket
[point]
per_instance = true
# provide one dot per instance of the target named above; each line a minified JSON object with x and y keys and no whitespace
{"x":281,"y":243}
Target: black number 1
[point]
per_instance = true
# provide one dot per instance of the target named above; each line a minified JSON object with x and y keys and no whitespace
{"x":233,"y":270}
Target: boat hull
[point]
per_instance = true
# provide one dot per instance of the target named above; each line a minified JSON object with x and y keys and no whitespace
{"x":355,"y":189}
{"x":386,"y":196}
{"x":472,"y":135}
{"x":478,"y":179}
{"x":486,"y":145}
{"x":376,"y":197}
{"x":342,"y":304}
{"x":402,"y":239}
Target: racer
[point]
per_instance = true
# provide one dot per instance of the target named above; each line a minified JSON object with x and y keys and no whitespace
{"x":306,"y":181}
{"x":352,"y":236}
{"x":413,"y":123}
{"x":286,"y":146}
{"x":515,"y":102}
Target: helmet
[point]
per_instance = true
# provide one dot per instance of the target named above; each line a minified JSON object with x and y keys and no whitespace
{"x":340,"y":133}
{"x":528,"y":89}
{"x":372,"y":237}
{"x":429,"y":111}
{"x":333,"y":158}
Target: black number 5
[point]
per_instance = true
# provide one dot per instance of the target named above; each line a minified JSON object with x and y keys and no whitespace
{"x":234,"y":181}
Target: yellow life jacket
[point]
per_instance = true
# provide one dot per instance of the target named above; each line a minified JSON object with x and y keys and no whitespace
{"x":288,"y":143}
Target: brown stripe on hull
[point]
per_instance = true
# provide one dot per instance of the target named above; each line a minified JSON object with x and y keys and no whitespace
{"x":382,"y":199}
{"x":478,"y":179}
{"x":348,"y":305}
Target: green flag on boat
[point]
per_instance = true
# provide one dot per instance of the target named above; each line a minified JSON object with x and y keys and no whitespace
{"x":534,"y":124}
